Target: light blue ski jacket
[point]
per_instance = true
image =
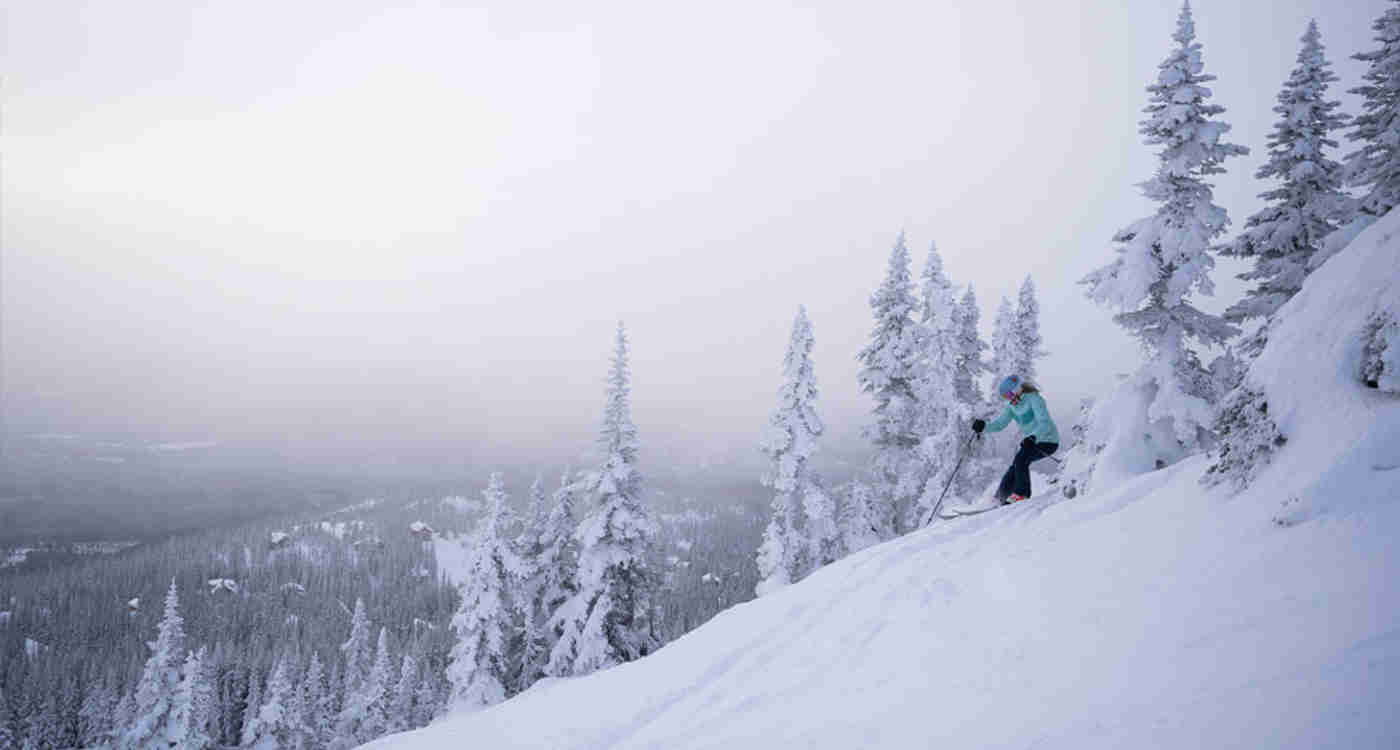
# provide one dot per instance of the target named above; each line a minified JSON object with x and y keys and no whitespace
{"x":1031,"y":416}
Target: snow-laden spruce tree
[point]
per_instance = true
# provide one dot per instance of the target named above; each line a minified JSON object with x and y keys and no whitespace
{"x":94,"y":714}
{"x":535,"y":642}
{"x":1006,"y":357}
{"x":1029,"y":342}
{"x":558,"y":573}
{"x":785,"y":554}
{"x":357,"y":649}
{"x":608,"y":621}
{"x":1003,"y":344}
{"x":7,"y":726}
{"x":1306,"y":206}
{"x":1164,"y":258}
{"x":276,"y":723}
{"x":1375,"y":165}
{"x":822,"y":533}
{"x":426,"y":701}
{"x":316,"y":701}
{"x":969,"y":403}
{"x":480,"y":668}
{"x":192,"y":705}
{"x":153,"y":714}
{"x":1380,"y":351}
{"x":401,"y":714}
{"x":378,"y":692}
{"x":940,"y":351}
{"x":890,"y":366}
{"x":860,"y":515}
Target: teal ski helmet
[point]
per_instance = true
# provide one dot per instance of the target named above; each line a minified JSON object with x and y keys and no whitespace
{"x":1008,"y":387}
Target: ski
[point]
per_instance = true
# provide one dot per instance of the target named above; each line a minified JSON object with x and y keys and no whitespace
{"x":965,"y":511}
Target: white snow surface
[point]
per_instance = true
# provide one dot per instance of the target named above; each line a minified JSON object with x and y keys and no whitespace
{"x":1148,"y":614}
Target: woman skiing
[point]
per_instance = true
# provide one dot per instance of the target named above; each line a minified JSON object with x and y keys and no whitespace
{"x":1027,"y":407}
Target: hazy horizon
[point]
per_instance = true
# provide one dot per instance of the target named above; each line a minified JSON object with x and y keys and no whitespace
{"x":414,"y":229}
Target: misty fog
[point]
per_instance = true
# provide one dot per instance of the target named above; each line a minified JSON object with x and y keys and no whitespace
{"x":362,"y":236}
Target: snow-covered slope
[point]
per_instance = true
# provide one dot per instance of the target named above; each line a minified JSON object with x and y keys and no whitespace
{"x":1150,"y":614}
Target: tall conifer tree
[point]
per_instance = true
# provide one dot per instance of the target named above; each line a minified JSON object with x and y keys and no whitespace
{"x":480,"y":669}
{"x":1305,"y":208}
{"x":1165,"y":257}
{"x":608,"y":621}
{"x":793,"y":430}
{"x":1375,"y":165}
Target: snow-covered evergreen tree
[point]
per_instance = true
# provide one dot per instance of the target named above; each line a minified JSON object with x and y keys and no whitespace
{"x":316,"y":725}
{"x":1004,"y":343}
{"x":357,"y":649}
{"x":1380,"y":352}
{"x":1163,"y":258}
{"x":7,"y":723}
{"x":480,"y":668}
{"x":42,"y":729}
{"x":822,"y":534}
{"x":378,"y":693}
{"x":1248,"y":438}
{"x":790,"y":442}
{"x":274,"y":725}
{"x":609,"y":620}
{"x":1375,"y":165}
{"x":936,"y":391}
{"x":533,"y":615}
{"x":192,"y":705}
{"x":401,"y":714}
{"x":970,"y":364}
{"x":1029,"y":342}
{"x":94,"y":715}
{"x":152,"y":722}
{"x":1306,"y":207}
{"x":970,"y":367}
{"x":359,"y":654}
{"x":123,"y":717}
{"x":890,"y":369}
{"x":860,"y":516}
{"x":558,"y":572}
{"x":425,"y":702}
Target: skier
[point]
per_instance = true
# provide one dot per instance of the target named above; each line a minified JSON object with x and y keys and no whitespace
{"x":1028,"y":408}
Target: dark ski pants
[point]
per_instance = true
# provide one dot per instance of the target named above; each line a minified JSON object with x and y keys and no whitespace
{"x":1017,"y":479}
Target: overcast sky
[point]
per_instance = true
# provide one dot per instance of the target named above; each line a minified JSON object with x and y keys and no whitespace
{"x":418,"y":225}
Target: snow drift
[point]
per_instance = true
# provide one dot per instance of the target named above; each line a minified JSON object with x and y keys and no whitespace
{"x":1153,"y":613}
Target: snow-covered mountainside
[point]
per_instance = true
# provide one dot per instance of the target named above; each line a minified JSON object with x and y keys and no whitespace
{"x":1153,"y":613}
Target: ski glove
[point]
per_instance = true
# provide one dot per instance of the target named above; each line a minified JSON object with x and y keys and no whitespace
{"x":978,"y":425}
{"x":1028,"y":443}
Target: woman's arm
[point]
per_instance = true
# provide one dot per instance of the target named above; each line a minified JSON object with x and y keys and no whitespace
{"x":1002,"y":420}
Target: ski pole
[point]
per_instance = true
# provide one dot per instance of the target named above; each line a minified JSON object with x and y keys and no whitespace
{"x":951,"y":477}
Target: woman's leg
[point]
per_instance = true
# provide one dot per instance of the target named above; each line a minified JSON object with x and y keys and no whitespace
{"x":1021,"y":471}
{"x":1023,"y":476}
{"x":1008,"y":482}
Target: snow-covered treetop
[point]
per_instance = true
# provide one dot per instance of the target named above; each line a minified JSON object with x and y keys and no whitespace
{"x":170,"y":633}
{"x":1003,"y":341}
{"x":1376,"y":164}
{"x":1307,"y":206}
{"x":619,"y":434}
{"x":1165,"y":256}
{"x":794,"y":425}
{"x":1028,"y":339}
{"x":888,"y":358}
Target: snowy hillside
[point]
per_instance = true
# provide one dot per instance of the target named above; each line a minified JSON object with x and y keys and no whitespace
{"x":1153,"y":613}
